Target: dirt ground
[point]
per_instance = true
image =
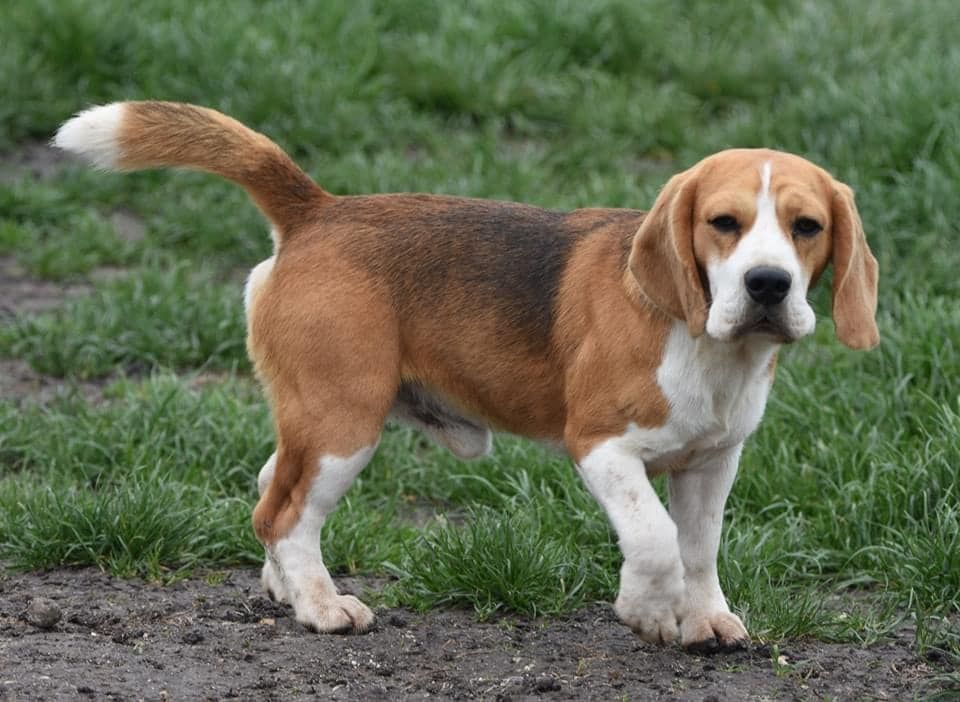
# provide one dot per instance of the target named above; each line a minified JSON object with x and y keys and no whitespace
{"x":121,"y":639}
{"x":80,"y":634}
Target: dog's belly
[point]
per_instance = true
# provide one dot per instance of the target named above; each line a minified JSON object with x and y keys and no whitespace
{"x":441,"y":421}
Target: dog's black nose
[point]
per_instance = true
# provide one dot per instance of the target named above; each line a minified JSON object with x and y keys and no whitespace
{"x":767,"y":285}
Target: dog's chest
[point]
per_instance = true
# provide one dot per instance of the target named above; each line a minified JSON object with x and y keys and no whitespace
{"x":716,"y":391}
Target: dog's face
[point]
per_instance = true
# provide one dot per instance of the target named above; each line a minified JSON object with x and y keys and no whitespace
{"x":733,"y":245}
{"x":761,"y":242}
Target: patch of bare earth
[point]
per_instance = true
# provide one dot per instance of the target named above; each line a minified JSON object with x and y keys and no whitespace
{"x":20,"y":383}
{"x":21,"y":293}
{"x":123,"y":639}
{"x":35,"y":159}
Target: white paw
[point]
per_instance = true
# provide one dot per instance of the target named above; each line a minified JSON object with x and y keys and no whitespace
{"x":272,"y":584}
{"x":337,"y":614}
{"x":710,"y":631}
{"x":652,"y":607}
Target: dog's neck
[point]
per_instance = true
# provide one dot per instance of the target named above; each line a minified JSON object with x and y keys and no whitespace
{"x":720,"y":368}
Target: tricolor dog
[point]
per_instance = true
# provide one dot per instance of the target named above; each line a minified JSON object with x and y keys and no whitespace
{"x":641,"y":342}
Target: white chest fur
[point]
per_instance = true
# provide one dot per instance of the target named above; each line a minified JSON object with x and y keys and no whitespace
{"x":717,"y":392}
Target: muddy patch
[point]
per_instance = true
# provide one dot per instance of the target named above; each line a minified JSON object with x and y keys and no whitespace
{"x":88,"y":635}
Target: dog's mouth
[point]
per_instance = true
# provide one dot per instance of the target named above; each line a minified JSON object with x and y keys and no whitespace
{"x":764,"y":325}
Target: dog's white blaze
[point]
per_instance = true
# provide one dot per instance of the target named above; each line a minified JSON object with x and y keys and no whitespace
{"x":93,"y":134}
{"x":764,"y":245}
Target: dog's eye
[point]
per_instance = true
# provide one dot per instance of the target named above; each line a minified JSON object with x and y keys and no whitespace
{"x":804,"y":226}
{"x":727,"y":224}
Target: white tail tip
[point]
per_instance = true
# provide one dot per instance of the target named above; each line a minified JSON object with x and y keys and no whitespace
{"x":93,"y":134}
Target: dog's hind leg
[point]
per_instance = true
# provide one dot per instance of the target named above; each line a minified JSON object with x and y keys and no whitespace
{"x":294,"y":571}
{"x":317,"y":459}
{"x":269,"y":578}
{"x":332,"y":376}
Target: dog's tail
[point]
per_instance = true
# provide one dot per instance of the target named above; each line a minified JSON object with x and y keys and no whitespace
{"x":137,"y":135}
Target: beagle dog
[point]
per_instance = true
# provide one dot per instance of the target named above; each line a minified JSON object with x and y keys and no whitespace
{"x":642,"y":342}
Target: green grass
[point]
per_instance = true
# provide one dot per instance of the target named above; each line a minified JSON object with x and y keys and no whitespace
{"x":845,"y":517}
{"x":165,"y":315}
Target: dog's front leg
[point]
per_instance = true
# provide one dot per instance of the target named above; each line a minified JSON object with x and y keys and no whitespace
{"x":697,"y":497}
{"x":652,"y":595}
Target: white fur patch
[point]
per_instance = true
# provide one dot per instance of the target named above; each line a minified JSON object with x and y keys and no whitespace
{"x":697,"y":498}
{"x":258,"y":276}
{"x":716,"y":390}
{"x":765,"y":244}
{"x":93,"y":134}
{"x":668,"y":584}
{"x":652,"y":593}
{"x":295,"y":563}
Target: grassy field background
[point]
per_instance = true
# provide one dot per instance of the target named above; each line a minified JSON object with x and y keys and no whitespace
{"x":845,"y":518}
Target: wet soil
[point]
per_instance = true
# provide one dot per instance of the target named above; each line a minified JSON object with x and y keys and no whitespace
{"x":128,"y":639}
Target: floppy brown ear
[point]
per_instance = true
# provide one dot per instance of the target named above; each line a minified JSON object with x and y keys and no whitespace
{"x":661,"y":258}
{"x":854,"y":275}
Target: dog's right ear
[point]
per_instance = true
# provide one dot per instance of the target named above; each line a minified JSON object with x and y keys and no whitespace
{"x":662,"y":259}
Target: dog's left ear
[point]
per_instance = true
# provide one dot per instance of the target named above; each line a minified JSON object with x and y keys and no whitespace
{"x":854,"y":275}
{"x":661,"y":257}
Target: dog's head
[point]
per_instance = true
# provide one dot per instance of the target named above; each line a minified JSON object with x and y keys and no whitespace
{"x":733,"y":244}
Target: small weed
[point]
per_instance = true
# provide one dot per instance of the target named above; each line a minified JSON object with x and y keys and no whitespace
{"x":216,"y":577}
{"x":779,"y":662}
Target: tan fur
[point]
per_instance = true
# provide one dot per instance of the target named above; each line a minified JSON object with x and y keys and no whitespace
{"x":854,"y":275}
{"x":367,"y":293}
{"x":330,"y":377}
{"x":614,"y":340}
{"x":662,"y":259}
{"x":799,"y":186}
{"x":155,"y":134}
{"x":676,"y":237}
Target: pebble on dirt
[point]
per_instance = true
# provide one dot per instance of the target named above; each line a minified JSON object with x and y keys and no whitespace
{"x":42,"y":613}
{"x":192,"y":637}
